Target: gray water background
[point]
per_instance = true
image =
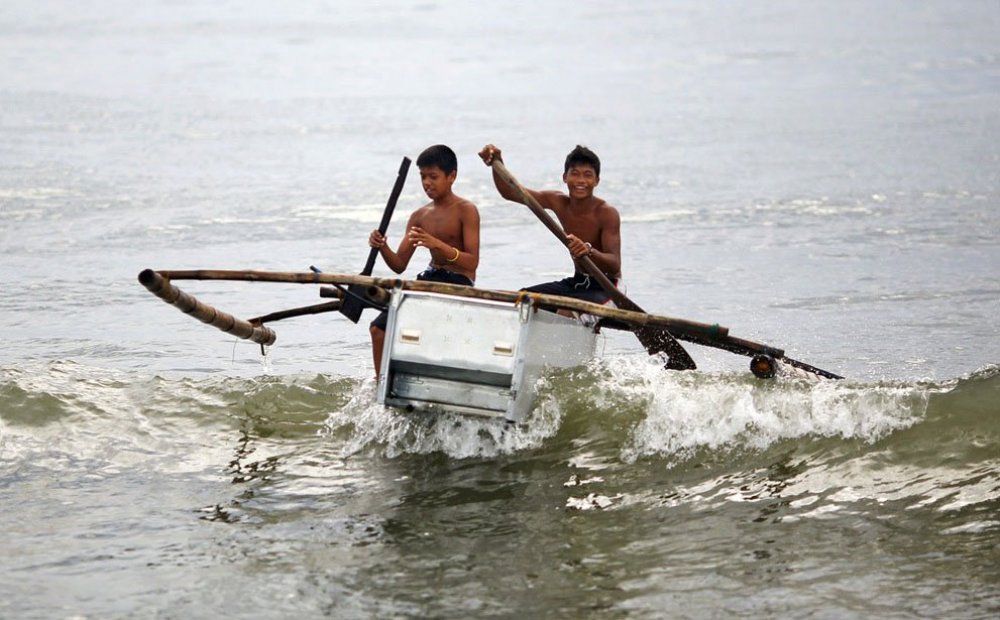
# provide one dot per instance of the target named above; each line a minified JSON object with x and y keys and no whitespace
{"x":823,"y":178}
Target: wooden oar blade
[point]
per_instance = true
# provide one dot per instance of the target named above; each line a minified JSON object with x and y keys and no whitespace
{"x":352,"y":304}
{"x":659,"y":340}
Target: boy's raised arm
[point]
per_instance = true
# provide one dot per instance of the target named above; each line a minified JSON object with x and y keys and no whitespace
{"x":491,"y":153}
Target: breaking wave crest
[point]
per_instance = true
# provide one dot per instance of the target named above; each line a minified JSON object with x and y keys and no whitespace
{"x":676,"y":415}
{"x":627,"y":406}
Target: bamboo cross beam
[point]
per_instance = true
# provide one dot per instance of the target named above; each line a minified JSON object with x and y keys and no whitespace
{"x":705,"y":334}
{"x":680,"y":326}
{"x":162,"y":288}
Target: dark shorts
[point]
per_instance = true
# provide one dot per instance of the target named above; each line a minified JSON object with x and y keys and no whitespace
{"x":432,"y":274}
{"x":579,"y":286}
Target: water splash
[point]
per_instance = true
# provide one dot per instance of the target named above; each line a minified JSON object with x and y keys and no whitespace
{"x":674,"y":415}
{"x":363,"y":425}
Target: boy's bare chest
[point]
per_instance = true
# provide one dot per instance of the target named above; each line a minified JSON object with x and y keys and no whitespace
{"x":441,"y":225}
{"x":579,"y":222}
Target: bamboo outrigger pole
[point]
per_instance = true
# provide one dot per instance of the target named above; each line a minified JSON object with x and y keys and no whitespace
{"x":705,"y":334}
{"x":681,"y":326}
{"x":162,"y":288}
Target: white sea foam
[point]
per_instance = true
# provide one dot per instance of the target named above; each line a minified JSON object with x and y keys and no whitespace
{"x":683,"y":412}
{"x":369,"y":425}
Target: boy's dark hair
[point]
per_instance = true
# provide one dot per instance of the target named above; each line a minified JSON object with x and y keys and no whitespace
{"x":439,"y":155}
{"x":583,"y":155}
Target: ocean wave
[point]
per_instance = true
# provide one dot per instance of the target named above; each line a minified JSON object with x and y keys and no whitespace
{"x":620,"y":432}
{"x":63,"y":416}
{"x":922,"y":449}
{"x":676,"y":415}
{"x":625,"y":408}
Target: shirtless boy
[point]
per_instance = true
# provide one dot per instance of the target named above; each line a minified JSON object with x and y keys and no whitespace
{"x":448,"y":226}
{"x":592,"y":225}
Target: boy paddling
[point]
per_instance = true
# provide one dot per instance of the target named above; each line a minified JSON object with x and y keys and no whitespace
{"x":592,"y":225}
{"x":591,"y":230}
{"x":448,"y":226}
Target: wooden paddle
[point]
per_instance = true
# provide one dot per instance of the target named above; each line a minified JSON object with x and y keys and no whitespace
{"x":655,"y":340}
{"x":354,"y":301}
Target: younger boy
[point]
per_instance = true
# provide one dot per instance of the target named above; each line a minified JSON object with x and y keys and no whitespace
{"x":592,"y":225}
{"x":448,"y":227}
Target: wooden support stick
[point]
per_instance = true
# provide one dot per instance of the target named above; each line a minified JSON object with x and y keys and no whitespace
{"x":330,"y":306}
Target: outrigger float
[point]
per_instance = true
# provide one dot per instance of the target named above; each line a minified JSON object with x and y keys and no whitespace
{"x":461,"y":349}
{"x":468,"y":350}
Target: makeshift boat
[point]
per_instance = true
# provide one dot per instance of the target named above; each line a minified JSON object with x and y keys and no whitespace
{"x":462,"y":349}
{"x":468,"y":350}
{"x":445,"y":353}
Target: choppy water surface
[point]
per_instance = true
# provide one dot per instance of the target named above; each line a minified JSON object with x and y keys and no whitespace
{"x":807,"y":176}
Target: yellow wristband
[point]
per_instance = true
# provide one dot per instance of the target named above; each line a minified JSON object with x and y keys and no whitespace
{"x":455,"y":258}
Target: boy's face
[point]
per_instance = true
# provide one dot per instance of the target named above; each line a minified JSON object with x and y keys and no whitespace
{"x":436,"y":183}
{"x":581,"y":179}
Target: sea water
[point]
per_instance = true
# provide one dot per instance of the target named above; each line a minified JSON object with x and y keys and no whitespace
{"x":823,"y":179}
